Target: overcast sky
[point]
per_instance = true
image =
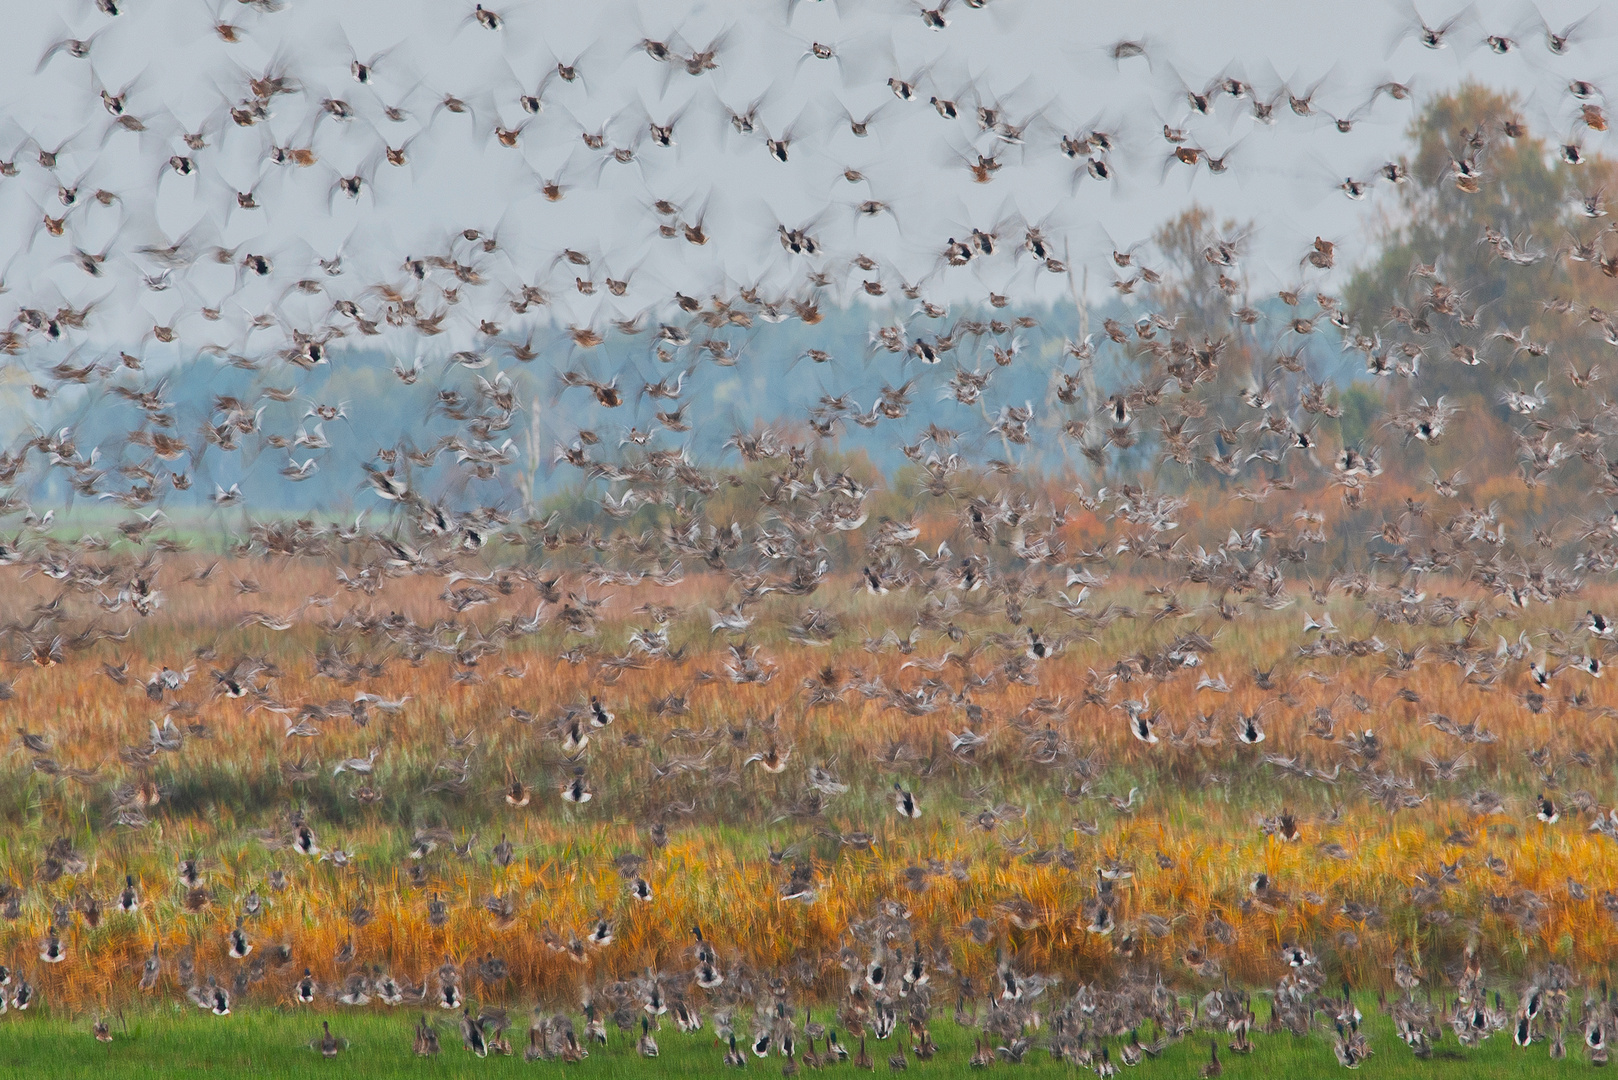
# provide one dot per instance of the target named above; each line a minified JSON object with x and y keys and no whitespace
{"x":1046,"y":63}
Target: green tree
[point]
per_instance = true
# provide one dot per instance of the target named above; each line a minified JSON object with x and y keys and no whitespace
{"x":1441,"y":281}
{"x":1191,"y":279}
{"x":1474,"y":279}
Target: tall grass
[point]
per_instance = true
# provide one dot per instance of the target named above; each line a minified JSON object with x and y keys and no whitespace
{"x":226,"y":802}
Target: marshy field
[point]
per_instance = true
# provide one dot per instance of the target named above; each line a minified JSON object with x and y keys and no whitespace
{"x":903,"y":818}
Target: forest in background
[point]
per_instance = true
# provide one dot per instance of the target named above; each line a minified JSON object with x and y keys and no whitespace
{"x":1460,"y":294}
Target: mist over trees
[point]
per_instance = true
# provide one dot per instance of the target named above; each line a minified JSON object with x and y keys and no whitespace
{"x":1477,"y":224}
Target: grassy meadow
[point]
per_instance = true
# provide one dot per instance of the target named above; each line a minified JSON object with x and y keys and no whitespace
{"x":274,"y":1043}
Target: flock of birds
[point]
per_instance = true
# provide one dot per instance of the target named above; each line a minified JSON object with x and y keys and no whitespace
{"x":287,"y":141}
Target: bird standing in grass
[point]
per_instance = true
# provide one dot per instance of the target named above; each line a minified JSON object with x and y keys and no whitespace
{"x":426,"y":1040}
{"x":472,"y":1035}
{"x":328,"y":1044}
{"x":646,"y":1046}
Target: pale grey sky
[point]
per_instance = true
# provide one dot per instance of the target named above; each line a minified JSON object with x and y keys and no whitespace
{"x":1044,"y":60}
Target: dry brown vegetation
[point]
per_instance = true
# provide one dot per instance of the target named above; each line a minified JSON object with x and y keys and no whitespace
{"x":1012,"y":832}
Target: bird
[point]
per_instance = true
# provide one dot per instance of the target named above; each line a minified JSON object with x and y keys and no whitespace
{"x":53,"y":951}
{"x":426,"y":1039}
{"x":328,"y":1044}
{"x":238,"y":945}
{"x":646,"y":1046}
{"x":472,"y":1034}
